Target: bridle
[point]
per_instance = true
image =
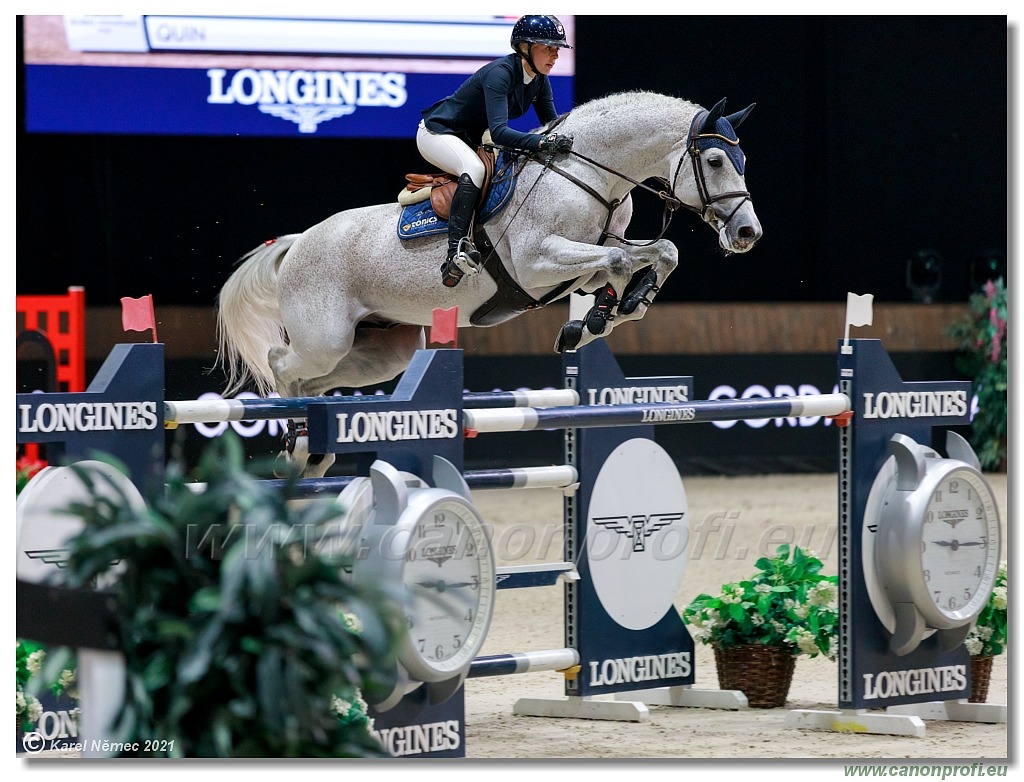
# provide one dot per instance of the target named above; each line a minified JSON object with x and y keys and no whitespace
{"x":667,"y":194}
{"x":706,"y":211}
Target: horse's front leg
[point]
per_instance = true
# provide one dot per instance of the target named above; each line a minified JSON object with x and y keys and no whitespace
{"x":653,"y":263}
{"x":561,"y":259}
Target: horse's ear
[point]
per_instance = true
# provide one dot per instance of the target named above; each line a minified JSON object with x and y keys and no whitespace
{"x":708,"y":126}
{"x":739,"y":116}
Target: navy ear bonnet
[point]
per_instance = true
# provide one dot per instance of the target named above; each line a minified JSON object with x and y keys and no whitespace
{"x":724,"y":128}
{"x":716,"y":129}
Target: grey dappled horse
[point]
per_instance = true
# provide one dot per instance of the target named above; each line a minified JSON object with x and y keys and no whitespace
{"x":344,"y":304}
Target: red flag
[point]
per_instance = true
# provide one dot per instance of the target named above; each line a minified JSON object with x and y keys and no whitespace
{"x":445,"y":327}
{"x":137,"y":314}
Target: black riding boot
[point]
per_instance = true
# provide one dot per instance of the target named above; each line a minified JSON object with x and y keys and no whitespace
{"x":462,"y":255}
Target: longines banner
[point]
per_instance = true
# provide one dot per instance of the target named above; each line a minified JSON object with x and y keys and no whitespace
{"x":366,"y":76}
{"x":247,"y":102}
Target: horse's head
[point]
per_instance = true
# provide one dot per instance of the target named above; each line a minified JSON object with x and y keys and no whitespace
{"x":716,"y":188}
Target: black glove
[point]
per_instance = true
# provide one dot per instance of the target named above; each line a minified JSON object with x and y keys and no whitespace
{"x":555,"y":143}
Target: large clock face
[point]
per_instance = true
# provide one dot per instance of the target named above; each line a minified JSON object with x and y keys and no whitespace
{"x":960,"y":543}
{"x":449,"y":576}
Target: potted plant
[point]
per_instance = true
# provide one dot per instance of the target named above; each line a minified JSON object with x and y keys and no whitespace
{"x":981,"y":356}
{"x":234,"y":608}
{"x":759,"y":626}
{"x":987,"y":638}
{"x":34,"y":694}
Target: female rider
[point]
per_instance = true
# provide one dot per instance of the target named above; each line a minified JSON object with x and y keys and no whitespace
{"x":501,"y":90}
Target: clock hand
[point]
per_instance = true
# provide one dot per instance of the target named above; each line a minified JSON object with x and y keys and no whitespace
{"x":441,"y":585}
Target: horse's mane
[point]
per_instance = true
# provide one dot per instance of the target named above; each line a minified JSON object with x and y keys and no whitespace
{"x":633,"y":103}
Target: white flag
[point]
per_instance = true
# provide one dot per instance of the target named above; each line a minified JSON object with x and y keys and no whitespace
{"x":858,"y":309}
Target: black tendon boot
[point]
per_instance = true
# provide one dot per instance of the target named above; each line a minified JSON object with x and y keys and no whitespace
{"x":462,"y":255}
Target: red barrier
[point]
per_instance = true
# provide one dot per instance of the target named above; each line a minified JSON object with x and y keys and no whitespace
{"x":61,"y":319}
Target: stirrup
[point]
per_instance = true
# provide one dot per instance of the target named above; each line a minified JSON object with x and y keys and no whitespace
{"x":467,"y":257}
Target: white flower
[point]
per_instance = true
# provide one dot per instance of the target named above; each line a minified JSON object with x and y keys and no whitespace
{"x":19,"y":700}
{"x":733,"y":593}
{"x":339,"y":706}
{"x":706,"y":619}
{"x":973,"y":644}
{"x":34,"y":663}
{"x":802,"y":611}
{"x":805,"y":642}
{"x":763,"y":589}
{"x":352,"y":622}
{"x":984,"y":633}
{"x":756,"y":619}
{"x":35,"y":708}
{"x":67,"y":678}
{"x":697,"y":620}
{"x":999,"y":598}
{"x":822,"y":593}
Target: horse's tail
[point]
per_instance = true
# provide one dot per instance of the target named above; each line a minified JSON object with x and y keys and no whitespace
{"x":249,"y":319}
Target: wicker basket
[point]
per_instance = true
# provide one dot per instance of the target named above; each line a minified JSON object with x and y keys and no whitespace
{"x":981,"y":672}
{"x":762,"y":673}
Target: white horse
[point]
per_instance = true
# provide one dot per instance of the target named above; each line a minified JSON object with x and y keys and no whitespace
{"x":345,"y":303}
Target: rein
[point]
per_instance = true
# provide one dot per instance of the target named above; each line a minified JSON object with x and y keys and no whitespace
{"x":666,"y":194}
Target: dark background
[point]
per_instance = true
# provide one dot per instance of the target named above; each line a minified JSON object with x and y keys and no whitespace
{"x":873,"y":138}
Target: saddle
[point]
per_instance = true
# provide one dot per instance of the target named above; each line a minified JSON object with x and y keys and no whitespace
{"x":440,"y":188}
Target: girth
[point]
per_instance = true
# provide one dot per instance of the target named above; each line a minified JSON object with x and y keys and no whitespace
{"x":509,"y":300}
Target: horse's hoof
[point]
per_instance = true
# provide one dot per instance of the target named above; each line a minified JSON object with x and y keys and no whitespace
{"x":318,"y":464}
{"x":569,"y":336}
{"x":284,"y":466}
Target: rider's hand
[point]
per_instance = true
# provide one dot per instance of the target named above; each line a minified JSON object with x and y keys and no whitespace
{"x":556,"y":143}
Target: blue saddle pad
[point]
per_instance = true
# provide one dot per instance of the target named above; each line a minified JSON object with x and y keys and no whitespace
{"x":418,"y":220}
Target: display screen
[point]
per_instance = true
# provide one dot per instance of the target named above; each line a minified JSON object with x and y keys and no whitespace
{"x":351,"y":76}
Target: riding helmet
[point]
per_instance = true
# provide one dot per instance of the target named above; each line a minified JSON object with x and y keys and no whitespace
{"x":546,"y":30}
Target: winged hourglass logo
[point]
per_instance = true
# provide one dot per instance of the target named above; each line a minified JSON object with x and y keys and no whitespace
{"x":638,"y":527}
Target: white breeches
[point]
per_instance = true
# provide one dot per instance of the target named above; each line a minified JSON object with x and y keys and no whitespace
{"x":450,"y":154}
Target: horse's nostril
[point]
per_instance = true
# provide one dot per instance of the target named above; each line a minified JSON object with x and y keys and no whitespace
{"x":746,"y":232}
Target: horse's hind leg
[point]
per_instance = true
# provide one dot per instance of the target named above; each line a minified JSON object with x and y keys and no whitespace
{"x":375,"y":355}
{"x":378,"y":354}
{"x":311,"y":353}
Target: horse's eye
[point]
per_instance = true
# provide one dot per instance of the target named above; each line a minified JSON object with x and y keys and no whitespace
{"x":715,"y":162}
